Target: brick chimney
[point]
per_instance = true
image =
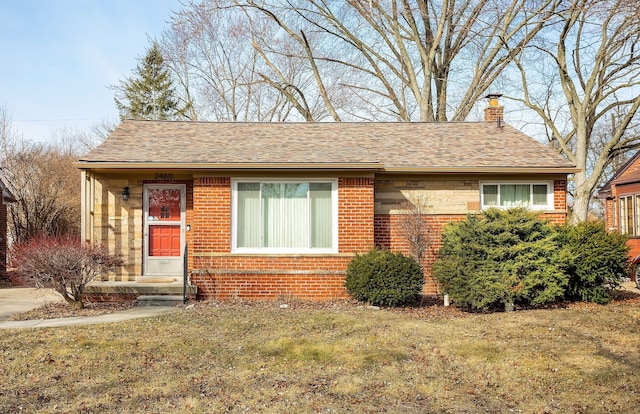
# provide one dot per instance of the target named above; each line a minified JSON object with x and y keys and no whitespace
{"x":494,"y":112}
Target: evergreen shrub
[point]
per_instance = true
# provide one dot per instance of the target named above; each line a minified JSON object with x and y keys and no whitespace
{"x":501,"y":257}
{"x":598,"y":261}
{"x":382,"y":278}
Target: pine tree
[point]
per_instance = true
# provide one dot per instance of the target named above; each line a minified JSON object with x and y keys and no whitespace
{"x":149,"y":94}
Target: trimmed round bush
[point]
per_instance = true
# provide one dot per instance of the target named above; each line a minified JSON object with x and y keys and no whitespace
{"x":382,"y":278}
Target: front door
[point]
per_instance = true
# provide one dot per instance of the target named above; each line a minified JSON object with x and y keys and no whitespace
{"x":164,"y":229}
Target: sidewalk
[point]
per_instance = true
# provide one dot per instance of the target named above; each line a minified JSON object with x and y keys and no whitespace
{"x":19,"y":300}
{"x":23,"y":299}
{"x":134,"y":313}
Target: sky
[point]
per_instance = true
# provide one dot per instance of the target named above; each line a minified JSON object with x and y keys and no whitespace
{"x":59,"y":57}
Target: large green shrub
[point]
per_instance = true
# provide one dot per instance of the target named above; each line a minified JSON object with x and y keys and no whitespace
{"x":598,"y":260}
{"x":382,"y":278}
{"x":500,"y":257}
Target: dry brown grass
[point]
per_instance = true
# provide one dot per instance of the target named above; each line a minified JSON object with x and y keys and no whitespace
{"x":261,"y":358}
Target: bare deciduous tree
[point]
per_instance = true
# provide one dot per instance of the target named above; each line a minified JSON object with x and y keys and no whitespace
{"x":210,"y":51}
{"x":7,"y":134}
{"x":406,"y":60}
{"x":358,"y":60}
{"x":425,"y":60}
{"x":45,"y":184}
{"x":589,"y":66}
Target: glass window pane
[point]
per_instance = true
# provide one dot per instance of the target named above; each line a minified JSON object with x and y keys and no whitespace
{"x":514,"y":195}
{"x":285,"y":215}
{"x":321,"y":226}
{"x":248,"y":220}
{"x":636,"y":216}
{"x":164,"y":204}
{"x":623,"y":215}
{"x":540,"y":195}
{"x":490,"y":195}
{"x":629,"y":225}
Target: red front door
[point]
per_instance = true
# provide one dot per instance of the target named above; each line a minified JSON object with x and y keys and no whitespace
{"x":164,"y":228}
{"x":164,"y":240}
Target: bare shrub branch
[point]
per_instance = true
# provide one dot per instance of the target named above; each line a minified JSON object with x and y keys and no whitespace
{"x":415,"y":230}
{"x":63,"y":264}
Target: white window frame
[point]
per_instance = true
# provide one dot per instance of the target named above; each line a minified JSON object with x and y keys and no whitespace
{"x":623,"y":222}
{"x":279,"y":250}
{"x":550,"y":196}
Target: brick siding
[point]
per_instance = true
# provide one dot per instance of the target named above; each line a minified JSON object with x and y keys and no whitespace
{"x":220,"y":274}
{"x":390,"y":237}
{"x":363,"y":222}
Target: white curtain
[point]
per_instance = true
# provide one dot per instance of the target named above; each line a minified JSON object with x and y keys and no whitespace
{"x":321,"y":226}
{"x":285,"y":214}
{"x":490,"y":194}
{"x":515,"y":195}
{"x":248,"y":220}
{"x":623,"y":215}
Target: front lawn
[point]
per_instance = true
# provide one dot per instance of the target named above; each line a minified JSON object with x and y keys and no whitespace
{"x":261,"y":358}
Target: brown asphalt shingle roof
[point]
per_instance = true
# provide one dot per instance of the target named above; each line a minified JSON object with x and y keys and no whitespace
{"x":390,"y":146}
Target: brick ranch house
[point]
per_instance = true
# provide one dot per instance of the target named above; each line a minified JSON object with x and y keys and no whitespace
{"x":621,"y":199}
{"x":271,"y":210}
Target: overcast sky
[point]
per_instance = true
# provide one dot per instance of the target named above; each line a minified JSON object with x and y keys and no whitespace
{"x":58,"y":58}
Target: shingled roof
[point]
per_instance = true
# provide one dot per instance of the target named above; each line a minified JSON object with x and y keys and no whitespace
{"x":397,"y":146}
{"x":624,"y":175}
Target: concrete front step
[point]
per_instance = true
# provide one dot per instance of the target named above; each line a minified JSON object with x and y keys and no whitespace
{"x":104,"y":291}
{"x":159,"y":300}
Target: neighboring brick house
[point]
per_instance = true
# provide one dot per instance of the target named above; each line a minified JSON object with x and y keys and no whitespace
{"x":279,"y":209}
{"x":7,"y":197}
{"x":621,"y":199}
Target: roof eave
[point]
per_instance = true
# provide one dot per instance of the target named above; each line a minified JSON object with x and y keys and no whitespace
{"x":88,"y":165}
{"x":626,"y":181}
{"x":485,"y":170}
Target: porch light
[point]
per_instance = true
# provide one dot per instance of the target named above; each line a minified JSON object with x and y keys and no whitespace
{"x":125,"y":193}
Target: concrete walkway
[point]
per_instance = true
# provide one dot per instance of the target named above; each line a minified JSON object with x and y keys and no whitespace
{"x":23,"y":299}
{"x":630,"y":286}
{"x":134,"y":313}
{"x":19,"y":300}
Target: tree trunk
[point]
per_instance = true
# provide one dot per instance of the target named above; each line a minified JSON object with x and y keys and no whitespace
{"x":75,"y":304}
{"x":581,"y":198}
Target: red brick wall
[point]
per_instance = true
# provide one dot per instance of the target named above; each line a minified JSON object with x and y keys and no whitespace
{"x":609,"y":214}
{"x":220,"y":274}
{"x":560,"y":194}
{"x":355,"y":214}
{"x":389,"y":236}
{"x":610,"y":208}
{"x":211,"y":223}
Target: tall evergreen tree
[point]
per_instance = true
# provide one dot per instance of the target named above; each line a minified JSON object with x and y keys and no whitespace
{"x":149,"y":94}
